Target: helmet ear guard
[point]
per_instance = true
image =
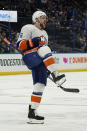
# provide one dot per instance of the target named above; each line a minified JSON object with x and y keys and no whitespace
{"x":37,"y":14}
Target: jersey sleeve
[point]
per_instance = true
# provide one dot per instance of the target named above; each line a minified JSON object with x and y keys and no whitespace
{"x":25,"y":34}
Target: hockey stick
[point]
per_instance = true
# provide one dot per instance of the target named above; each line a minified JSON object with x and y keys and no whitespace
{"x":73,"y":90}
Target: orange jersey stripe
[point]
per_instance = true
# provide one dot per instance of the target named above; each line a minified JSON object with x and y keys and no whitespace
{"x":35,"y":99}
{"x":29,"y":51}
{"x":49,"y":61}
{"x":42,"y":43}
{"x":23,"y":45}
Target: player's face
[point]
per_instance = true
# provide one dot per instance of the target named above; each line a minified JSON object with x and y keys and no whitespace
{"x":42,"y":21}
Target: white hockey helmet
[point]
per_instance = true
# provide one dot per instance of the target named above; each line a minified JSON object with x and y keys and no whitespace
{"x":37,"y":14}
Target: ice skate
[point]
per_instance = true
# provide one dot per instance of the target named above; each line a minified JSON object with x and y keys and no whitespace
{"x":34,"y":118}
{"x":58,"y":79}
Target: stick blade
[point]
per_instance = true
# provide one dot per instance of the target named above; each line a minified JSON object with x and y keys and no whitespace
{"x":70,"y":89}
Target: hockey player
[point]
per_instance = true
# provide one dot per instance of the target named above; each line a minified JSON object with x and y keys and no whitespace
{"x":33,"y":42}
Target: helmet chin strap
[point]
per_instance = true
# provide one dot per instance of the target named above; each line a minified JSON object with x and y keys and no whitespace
{"x":39,"y":24}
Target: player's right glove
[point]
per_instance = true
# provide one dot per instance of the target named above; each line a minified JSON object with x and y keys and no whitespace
{"x":31,"y":43}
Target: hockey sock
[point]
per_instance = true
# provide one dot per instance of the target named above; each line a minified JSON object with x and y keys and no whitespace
{"x":45,"y":53}
{"x":37,"y":95}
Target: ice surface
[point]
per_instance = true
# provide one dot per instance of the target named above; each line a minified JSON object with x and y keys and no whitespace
{"x":63,"y":111}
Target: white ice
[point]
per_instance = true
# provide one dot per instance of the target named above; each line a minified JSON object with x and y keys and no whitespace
{"x":63,"y":111}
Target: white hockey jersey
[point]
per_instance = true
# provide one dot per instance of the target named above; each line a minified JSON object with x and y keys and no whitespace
{"x":30,"y":31}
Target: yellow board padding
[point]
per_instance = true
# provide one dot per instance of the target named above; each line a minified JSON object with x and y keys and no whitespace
{"x":29,"y":72}
{"x":15,"y":73}
{"x":72,"y":70}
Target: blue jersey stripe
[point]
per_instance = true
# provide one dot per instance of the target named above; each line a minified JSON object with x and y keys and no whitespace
{"x":37,"y":93}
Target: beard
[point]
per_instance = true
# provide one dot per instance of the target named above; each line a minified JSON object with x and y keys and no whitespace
{"x":42,"y":26}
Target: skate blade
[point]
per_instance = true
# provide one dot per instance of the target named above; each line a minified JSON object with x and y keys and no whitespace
{"x":33,"y":121}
